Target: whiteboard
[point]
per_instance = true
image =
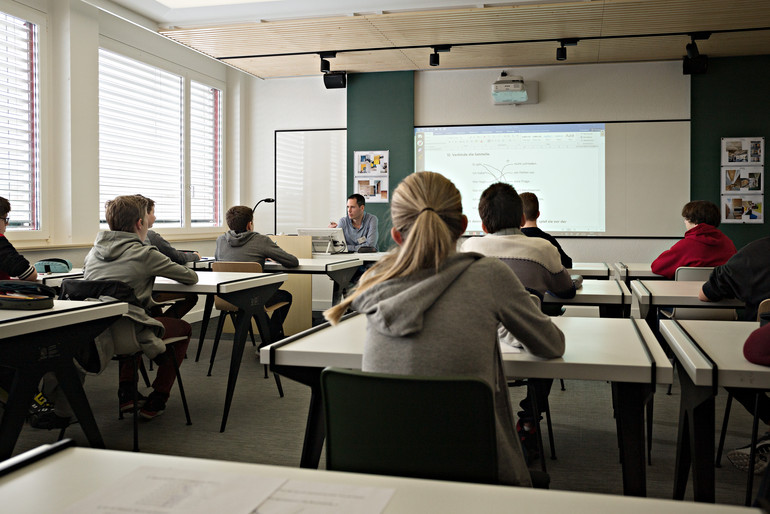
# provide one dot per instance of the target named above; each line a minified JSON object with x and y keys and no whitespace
{"x":310,"y":178}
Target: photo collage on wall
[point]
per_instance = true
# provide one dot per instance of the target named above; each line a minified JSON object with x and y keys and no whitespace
{"x":370,"y":178}
{"x":742,"y":180}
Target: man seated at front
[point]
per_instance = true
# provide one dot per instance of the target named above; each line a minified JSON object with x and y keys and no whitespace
{"x":121,"y":254}
{"x":703,"y":244}
{"x":529,"y":228}
{"x":360,"y":227}
{"x":242,"y":244}
{"x":535,"y":262}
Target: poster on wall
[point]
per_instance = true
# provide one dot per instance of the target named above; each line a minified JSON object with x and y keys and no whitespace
{"x":743,"y":208}
{"x":743,"y":151}
{"x":742,"y":179}
{"x":370,"y":176}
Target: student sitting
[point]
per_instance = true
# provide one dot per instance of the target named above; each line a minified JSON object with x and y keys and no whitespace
{"x":242,"y":244}
{"x":703,"y":244}
{"x":12,"y":263}
{"x":120,"y":254}
{"x":536,"y":263}
{"x":433,"y":311}
{"x":529,"y":228}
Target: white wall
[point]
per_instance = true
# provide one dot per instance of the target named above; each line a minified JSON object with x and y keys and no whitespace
{"x":571,"y":93}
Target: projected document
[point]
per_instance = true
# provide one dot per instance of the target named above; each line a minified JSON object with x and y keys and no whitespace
{"x":563,"y":164}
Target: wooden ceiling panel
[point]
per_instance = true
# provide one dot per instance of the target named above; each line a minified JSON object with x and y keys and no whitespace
{"x":577,"y":19}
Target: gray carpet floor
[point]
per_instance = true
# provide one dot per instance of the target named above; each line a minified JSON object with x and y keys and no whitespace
{"x":264,"y":428}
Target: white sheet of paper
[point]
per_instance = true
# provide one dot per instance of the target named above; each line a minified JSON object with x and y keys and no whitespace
{"x":506,"y":348}
{"x":303,"y":497}
{"x":170,"y":491}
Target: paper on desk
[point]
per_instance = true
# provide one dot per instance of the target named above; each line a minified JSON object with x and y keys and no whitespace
{"x":303,"y":497}
{"x":171,"y":491}
{"x":506,"y":348}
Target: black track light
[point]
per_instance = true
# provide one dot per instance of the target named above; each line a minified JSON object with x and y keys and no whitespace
{"x":561,"y":52}
{"x":325,"y":66}
{"x":434,"y":58}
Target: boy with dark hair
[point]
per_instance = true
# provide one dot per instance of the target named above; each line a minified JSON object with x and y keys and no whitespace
{"x":530,"y":229}
{"x":703,"y":244}
{"x":120,"y":254}
{"x":535,"y":262}
{"x":242,"y":244}
{"x":12,"y":263}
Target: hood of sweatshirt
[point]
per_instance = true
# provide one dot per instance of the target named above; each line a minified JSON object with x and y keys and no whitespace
{"x":397,"y":307}
{"x":706,"y":234}
{"x":111,"y":244}
{"x":236,"y":239}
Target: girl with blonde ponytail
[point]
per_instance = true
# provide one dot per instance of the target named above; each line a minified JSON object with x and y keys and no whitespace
{"x":433,"y":311}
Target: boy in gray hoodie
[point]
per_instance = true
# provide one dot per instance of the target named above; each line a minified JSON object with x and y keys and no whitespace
{"x":242,"y":244}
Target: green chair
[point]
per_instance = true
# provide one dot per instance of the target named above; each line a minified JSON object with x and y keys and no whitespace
{"x":422,"y":427}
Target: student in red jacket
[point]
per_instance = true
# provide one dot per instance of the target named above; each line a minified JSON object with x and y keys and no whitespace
{"x":703,"y":244}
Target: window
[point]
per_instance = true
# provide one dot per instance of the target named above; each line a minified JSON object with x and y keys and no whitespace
{"x":142,"y":141}
{"x":19,"y":121}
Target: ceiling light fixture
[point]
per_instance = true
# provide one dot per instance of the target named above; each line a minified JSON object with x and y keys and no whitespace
{"x":694,"y":63}
{"x":434,"y":58}
{"x":325,"y":66}
{"x":561,"y":52}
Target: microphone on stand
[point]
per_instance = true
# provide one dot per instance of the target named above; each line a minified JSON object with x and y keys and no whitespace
{"x":268,"y":200}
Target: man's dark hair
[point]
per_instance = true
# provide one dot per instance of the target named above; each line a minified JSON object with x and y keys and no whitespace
{"x":5,"y":207}
{"x":701,"y":211}
{"x":238,"y":218}
{"x":500,"y":207}
{"x":360,"y":200}
{"x":531,"y":205}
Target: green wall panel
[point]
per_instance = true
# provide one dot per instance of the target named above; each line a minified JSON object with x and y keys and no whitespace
{"x":731,"y":100}
{"x":381,"y":117}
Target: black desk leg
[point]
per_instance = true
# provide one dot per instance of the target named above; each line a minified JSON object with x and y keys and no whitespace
{"x":242,"y":323}
{"x":315,"y":429}
{"x":695,"y":441}
{"x":69,"y":380}
{"x":204,"y":323}
{"x":630,"y":412}
{"x":19,"y":400}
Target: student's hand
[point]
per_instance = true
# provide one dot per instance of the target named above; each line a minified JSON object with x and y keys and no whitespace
{"x":197,"y":254}
{"x":702,"y":296}
{"x":332,"y":225}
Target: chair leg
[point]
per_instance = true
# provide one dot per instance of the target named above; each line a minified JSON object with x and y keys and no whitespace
{"x":547,"y":407}
{"x":136,"y":401}
{"x":561,"y":381}
{"x":536,"y":417}
{"x":251,"y":333}
{"x":649,"y":430}
{"x":181,"y":389}
{"x":723,"y":432}
{"x":278,"y":383}
{"x":143,"y":370}
{"x":217,"y":336}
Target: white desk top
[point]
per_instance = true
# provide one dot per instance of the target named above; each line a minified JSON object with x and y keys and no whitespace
{"x":64,"y":313}
{"x":74,"y":473}
{"x":675,"y":293}
{"x":220,"y":282}
{"x":723,"y":342}
{"x":596,"y":292}
{"x":55,"y":279}
{"x":635,"y":270}
{"x":366,"y":257}
{"x":320,"y":265}
{"x":596,"y":349}
{"x":590,"y":269}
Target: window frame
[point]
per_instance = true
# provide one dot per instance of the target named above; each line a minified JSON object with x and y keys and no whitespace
{"x":187,"y":75}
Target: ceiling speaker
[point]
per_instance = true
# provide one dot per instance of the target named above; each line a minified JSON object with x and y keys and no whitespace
{"x":334,"y":80}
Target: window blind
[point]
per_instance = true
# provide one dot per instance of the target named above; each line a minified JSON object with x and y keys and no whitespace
{"x":205,"y":155}
{"x":19,"y":122}
{"x":141,"y":135}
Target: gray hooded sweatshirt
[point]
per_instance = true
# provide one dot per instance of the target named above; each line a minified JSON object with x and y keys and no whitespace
{"x":445,"y":323}
{"x":251,"y":247}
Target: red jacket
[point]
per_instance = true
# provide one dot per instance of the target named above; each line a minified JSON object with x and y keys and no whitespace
{"x":703,"y":245}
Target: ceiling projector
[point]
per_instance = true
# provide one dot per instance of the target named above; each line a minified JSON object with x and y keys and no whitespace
{"x":511,"y":90}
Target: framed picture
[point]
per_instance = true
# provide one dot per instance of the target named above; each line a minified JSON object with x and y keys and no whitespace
{"x":743,"y":151}
{"x":742,"y":179}
{"x":743,"y":208}
{"x":371,"y":173}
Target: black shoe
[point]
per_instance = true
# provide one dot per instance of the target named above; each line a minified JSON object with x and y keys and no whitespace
{"x":126,"y":397}
{"x":154,"y":406}
{"x":48,"y":420}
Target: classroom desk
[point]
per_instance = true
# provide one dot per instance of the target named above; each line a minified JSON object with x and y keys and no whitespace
{"x":711,"y":355}
{"x":595,"y":270}
{"x":248,"y":292}
{"x":649,"y":295}
{"x":74,"y":473}
{"x":611,"y":296}
{"x":40,"y":341}
{"x":630,"y":271}
{"x":623,"y":351}
{"x":340,"y":268}
{"x":55,"y":279}
{"x":204,"y":264}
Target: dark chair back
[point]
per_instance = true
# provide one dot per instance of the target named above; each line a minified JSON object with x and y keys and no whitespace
{"x":425,"y":427}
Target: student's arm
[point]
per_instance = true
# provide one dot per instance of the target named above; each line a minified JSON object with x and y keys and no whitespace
{"x":725,"y":281}
{"x":372,"y":232}
{"x":522,"y":318}
{"x":161,"y":266}
{"x":566,"y":260}
{"x":169,"y":251}
{"x":13,"y":263}
{"x":667,"y":262}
